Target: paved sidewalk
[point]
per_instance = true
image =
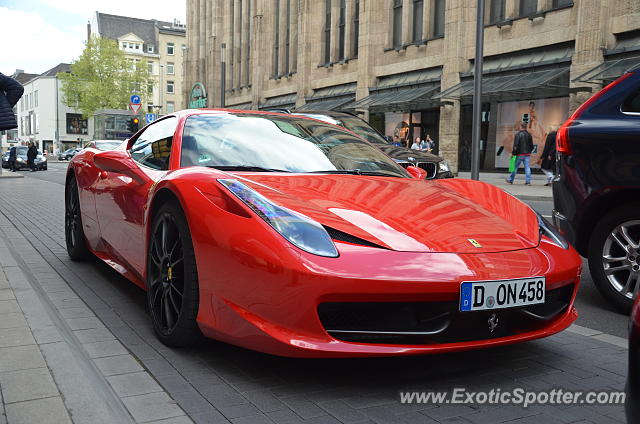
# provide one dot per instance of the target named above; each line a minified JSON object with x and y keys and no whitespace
{"x":536,"y":191}
{"x":8,"y":174}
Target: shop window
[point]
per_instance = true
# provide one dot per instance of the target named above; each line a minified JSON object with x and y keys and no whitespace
{"x":76,"y":124}
{"x":528,"y":7}
{"x":496,"y":11}
{"x":356,"y":27}
{"x":327,"y":32}
{"x":438,"y":18}
{"x":418,"y":11}
{"x":561,"y":3}
{"x":341,"y":30}
{"x":397,"y":24}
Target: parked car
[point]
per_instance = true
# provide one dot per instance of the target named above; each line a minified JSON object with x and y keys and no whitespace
{"x":103,"y":144}
{"x":632,"y":401}
{"x":296,"y":237}
{"x":68,"y":154}
{"x":435,"y":166}
{"x":596,"y":192}
{"x":21,"y":159}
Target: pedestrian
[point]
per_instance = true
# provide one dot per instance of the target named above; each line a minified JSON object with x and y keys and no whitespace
{"x":13,"y":155}
{"x":431,"y":145}
{"x":547,"y":160}
{"x":396,"y":140}
{"x":10,"y":92}
{"x":522,"y":148}
{"x":416,"y":144}
{"x":32,"y":153}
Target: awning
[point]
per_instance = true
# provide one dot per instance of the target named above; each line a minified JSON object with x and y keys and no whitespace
{"x":403,"y":91}
{"x":285,"y":101}
{"x":330,"y":98}
{"x":241,"y":106}
{"x":553,"y":82}
{"x":525,"y":59}
{"x":622,"y":58}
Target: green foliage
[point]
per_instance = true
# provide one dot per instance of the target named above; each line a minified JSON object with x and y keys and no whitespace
{"x":103,"y":78}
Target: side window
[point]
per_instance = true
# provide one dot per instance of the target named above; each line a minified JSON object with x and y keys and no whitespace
{"x":632,"y":103}
{"x":153,"y":147}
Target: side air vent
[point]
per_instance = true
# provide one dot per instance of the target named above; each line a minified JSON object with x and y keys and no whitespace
{"x":348,"y":238}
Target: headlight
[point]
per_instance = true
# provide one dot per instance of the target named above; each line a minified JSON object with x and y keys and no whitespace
{"x":547,"y":229}
{"x":298,"y":229}
{"x":19,"y":160}
{"x":443,"y":166}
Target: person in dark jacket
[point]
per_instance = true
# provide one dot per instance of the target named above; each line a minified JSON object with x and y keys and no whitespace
{"x":10,"y":92}
{"x":13,"y":155}
{"x":32,"y":152}
{"x":547,"y":160}
{"x":522,"y":148}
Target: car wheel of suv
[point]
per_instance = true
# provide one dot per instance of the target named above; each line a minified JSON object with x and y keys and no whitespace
{"x":614,"y":256}
{"x":172,"y":279}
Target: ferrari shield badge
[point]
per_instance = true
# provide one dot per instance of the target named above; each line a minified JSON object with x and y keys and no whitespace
{"x":474,"y":243}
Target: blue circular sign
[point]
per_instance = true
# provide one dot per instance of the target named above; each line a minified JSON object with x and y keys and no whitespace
{"x":135,"y":99}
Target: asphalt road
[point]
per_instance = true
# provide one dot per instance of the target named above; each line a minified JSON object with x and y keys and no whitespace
{"x":594,"y":311}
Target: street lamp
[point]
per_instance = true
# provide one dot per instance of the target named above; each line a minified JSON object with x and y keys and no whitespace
{"x":477,"y":93}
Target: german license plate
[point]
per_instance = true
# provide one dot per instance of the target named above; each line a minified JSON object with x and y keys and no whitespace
{"x":483,"y":295}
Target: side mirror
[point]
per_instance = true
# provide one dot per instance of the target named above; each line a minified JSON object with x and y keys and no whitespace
{"x":417,"y":173}
{"x":113,"y":161}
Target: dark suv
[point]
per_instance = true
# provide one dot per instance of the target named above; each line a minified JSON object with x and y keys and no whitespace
{"x":596,"y":192}
{"x":435,"y":166}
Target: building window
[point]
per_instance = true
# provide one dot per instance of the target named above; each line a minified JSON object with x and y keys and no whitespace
{"x":76,"y":124}
{"x":170,"y":87}
{"x":496,"y":11}
{"x":342,"y":27}
{"x":287,"y":40}
{"x":327,"y":31}
{"x":247,"y":56}
{"x":528,"y":7}
{"x":35,"y":98}
{"x":150,"y":67}
{"x":170,"y":48}
{"x":356,"y":27}
{"x":397,"y":23}
{"x":276,"y":40}
{"x":170,"y":69}
{"x":149,"y":48}
{"x":561,"y":3}
{"x":418,"y":10}
{"x":171,"y":107}
{"x":438,"y":18}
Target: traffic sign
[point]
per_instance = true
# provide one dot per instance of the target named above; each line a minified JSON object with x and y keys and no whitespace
{"x":150,"y":117}
{"x":135,"y":99}
{"x":135,"y":107}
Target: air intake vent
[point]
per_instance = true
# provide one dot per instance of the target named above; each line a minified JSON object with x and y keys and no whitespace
{"x":348,"y":238}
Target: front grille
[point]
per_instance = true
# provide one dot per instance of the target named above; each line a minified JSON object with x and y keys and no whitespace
{"x":430,"y":167}
{"x":434,"y":322}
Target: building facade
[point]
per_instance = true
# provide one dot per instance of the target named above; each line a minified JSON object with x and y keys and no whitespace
{"x":406,"y":65}
{"x":44,"y":119}
{"x":160,"y":44}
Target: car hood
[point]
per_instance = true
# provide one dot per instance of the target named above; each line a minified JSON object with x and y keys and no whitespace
{"x":402,"y":153}
{"x":408,"y":215}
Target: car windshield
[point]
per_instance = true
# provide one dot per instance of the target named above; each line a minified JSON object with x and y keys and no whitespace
{"x":291,"y":144}
{"x":107,"y":145}
{"x":21,"y":151}
{"x":353,"y":124}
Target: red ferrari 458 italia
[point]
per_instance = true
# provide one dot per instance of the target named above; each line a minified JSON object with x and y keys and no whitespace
{"x":296,"y":237}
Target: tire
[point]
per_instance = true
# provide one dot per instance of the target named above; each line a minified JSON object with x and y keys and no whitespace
{"x":172,"y":279}
{"x":618,"y":276}
{"x":73,"y":231}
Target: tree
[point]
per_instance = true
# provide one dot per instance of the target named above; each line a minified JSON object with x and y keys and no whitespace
{"x":103,"y":78}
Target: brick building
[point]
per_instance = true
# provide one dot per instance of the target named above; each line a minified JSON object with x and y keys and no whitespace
{"x":406,"y":65}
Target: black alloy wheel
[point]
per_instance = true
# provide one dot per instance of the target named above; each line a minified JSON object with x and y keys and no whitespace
{"x":172,"y":279}
{"x":73,"y":231}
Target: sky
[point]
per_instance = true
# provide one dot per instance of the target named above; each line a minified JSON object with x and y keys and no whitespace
{"x":36,"y":35}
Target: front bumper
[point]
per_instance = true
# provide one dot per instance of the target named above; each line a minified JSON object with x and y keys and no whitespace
{"x":266,"y":305}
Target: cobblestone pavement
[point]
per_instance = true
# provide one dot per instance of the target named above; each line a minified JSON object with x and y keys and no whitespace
{"x":104,"y":317}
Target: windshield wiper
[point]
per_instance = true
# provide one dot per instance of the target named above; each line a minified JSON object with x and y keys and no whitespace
{"x":354,"y":172}
{"x":245,"y":168}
